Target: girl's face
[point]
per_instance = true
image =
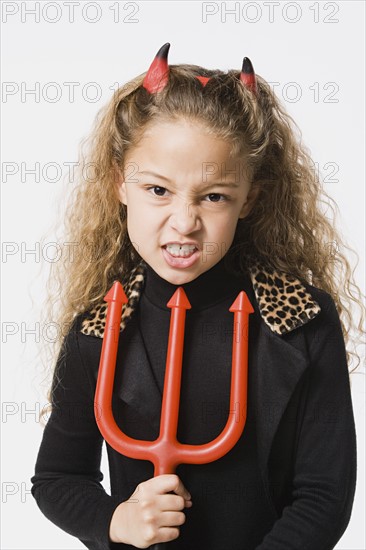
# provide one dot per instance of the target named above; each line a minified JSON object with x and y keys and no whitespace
{"x":179,"y":185}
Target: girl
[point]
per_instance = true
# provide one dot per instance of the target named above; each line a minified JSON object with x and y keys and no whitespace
{"x":199,"y":181}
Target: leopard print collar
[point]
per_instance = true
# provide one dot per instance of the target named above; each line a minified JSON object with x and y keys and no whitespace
{"x":283,"y":300}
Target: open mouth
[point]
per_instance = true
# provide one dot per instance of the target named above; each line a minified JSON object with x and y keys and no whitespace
{"x":185,"y":259}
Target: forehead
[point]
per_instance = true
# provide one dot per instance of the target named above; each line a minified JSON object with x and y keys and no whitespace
{"x":182,"y":143}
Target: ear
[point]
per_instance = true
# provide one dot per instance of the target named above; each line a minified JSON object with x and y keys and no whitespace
{"x":120,"y":187}
{"x":121,"y":191}
{"x":249,"y":202}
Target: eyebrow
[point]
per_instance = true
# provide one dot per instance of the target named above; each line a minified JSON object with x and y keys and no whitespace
{"x":214,"y":184}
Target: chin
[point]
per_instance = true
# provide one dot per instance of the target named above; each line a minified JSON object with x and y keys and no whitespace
{"x":178,"y":278}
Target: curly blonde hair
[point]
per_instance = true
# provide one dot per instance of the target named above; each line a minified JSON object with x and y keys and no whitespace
{"x":285,"y":229}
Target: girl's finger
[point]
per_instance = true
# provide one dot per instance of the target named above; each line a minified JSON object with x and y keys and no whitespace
{"x":171,"y":502}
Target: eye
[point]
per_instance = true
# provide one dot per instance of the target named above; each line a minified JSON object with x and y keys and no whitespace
{"x":218,"y":195}
{"x":156,"y":187}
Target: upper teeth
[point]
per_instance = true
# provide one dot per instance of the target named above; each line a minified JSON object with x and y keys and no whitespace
{"x":183,"y":248}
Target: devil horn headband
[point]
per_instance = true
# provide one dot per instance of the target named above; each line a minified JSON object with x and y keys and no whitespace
{"x":157,"y":76}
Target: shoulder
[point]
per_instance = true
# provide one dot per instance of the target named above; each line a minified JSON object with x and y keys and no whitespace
{"x":79,"y":356}
{"x":75,"y":336}
{"x":326,"y":328}
{"x":325,"y":301}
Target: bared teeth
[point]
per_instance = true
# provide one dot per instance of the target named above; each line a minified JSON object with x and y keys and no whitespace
{"x":181,"y":251}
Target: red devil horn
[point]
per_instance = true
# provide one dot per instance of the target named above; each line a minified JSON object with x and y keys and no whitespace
{"x":158,"y":73}
{"x":247,"y":75}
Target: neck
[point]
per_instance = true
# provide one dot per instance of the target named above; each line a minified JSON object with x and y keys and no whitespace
{"x":209,"y":288}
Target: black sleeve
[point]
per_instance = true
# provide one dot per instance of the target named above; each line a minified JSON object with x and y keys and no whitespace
{"x":66,"y":484}
{"x":324,"y":475}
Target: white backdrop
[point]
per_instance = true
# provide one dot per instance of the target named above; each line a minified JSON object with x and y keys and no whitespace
{"x":60,"y":63}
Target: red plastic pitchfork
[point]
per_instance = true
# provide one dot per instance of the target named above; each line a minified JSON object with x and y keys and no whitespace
{"x":166,"y":453}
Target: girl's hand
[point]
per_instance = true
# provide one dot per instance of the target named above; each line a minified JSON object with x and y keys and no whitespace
{"x":151,"y":515}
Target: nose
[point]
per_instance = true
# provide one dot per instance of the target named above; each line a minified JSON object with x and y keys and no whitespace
{"x":185,"y":219}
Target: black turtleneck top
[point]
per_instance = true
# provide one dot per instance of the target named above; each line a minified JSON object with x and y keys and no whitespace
{"x":230,"y":510}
